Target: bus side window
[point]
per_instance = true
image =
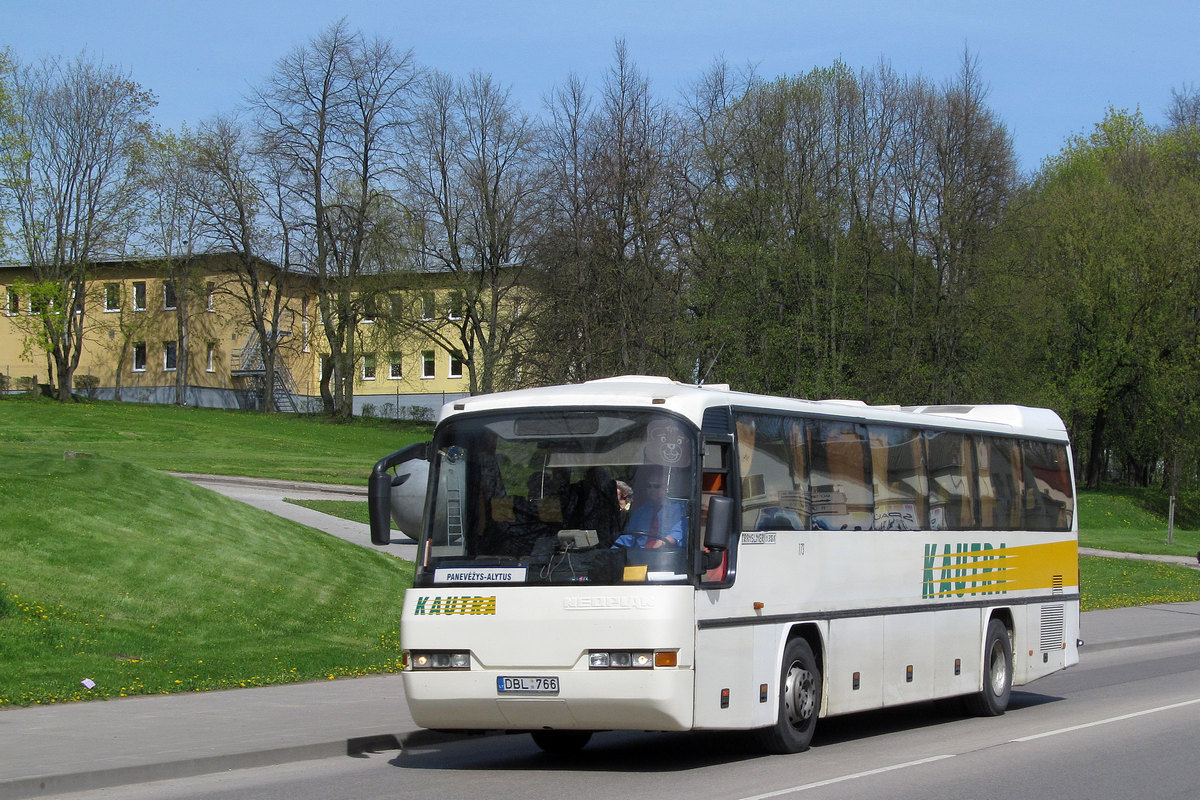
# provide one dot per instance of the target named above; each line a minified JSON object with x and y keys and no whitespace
{"x":898,"y":468}
{"x":772,"y":471}
{"x":1049,"y":487}
{"x":999,"y":483}
{"x":951,"y":481}
{"x":843,"y":495}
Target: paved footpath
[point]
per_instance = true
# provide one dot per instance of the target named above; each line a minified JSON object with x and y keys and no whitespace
{"x":269,"y":496}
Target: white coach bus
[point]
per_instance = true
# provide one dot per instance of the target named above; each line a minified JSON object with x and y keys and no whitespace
{"x":778,"y":561}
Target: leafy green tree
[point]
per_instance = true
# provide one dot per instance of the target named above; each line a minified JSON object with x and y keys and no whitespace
{"x":1113,"y":229}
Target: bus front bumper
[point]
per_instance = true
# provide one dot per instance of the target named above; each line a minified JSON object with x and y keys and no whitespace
{"x":658,"y":699}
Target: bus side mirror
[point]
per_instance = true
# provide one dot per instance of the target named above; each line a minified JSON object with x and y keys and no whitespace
{"x":718,"y":532}
{"x":379,"y":489}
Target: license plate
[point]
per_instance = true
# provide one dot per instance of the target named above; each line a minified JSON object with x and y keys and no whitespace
{"x":526,"y":685}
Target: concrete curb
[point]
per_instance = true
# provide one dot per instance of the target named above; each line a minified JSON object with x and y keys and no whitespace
{"x":352,"y":491}
{"x":1142,"y":642}
{"x":96,"y":779}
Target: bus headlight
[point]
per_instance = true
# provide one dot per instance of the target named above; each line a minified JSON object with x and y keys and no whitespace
{"x":442,"y":659}
{"x":628,"y":659}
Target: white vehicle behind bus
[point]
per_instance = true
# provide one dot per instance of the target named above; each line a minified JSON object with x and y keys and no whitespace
{"x":782,"y":560}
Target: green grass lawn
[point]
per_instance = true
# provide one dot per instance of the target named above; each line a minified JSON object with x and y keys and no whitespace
{"x":144,"y":583}
{"x":1119,"y":582}
{"x":1135,"y":521}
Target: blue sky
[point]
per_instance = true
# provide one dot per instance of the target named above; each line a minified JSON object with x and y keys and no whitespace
{"x":1053,"y":68}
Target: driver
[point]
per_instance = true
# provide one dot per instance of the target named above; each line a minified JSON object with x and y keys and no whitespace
{"x":658,"y":521}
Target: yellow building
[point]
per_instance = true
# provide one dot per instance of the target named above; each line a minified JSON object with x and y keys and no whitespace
{"x":134,"y":349}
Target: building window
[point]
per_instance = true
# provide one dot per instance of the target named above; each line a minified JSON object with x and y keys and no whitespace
{"x":112,"y":297}
{"x":456,"y":305}
{"x":369,"y":367}
{"x":210,"y":291}
{"x":170,"y":356}
{"x":428,"y":365}
{"x":169,"y":299}
{"x":395,"y":367}
{"x":456,"y":366}
{"x":210,"y":361}
{"x":139,"y":295}
{"x":370,"y":309}
{"x":12,"y":306}
{"x":139,"y":357}
{"x":397,"y":301}
{"x":428,"y":306}
{"x":77,"y":299}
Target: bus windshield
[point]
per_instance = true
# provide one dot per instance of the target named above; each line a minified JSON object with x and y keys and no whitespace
{"x":559,"y":497}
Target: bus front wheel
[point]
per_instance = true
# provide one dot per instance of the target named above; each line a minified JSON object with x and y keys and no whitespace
{"x":799,"y":702}
{"x":992,"y":700}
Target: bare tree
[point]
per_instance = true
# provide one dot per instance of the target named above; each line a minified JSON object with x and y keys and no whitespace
{"x":331,"y":116}
{"x":1184,"y":111}
{"x":611,"y":256}
{"x":246,"y":215}
{"x":173,"y":225}
{"x":974,"y":176}
{"x":474,"y":186}
{"x":9,"y":125}
{"x":70,"y":168}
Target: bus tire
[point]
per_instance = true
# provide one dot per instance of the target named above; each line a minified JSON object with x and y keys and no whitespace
{"x":992,"y":699}
{"x":799,"y":702}
{"x":561,"y":742}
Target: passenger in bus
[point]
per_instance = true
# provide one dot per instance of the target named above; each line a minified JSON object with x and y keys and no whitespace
{"x":659,"y":521}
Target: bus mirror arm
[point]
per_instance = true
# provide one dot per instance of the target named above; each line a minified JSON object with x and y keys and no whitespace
{"x":718,"y":532}
{"x":379,"y":490}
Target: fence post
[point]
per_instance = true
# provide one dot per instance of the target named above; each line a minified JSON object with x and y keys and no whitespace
{"x":1171,"y":521}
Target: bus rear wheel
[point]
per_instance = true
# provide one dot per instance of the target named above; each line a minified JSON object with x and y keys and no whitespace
{"x":799,"y":702}
{"x":992,"y":699}
{"x":561,"y":742}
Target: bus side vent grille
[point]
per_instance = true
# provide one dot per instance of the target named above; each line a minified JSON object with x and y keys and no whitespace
{"x":716,"y":421}
{"x":1053,"y":627}
{"x":1056,"y":586}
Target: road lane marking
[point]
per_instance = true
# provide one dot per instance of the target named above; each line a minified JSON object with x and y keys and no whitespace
{"x":1099,"y":722}
{"x":879,"y":771}
{"x":843,"y":778}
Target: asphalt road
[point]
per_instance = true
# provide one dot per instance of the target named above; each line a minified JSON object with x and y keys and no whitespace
{"x":1123,"y":724}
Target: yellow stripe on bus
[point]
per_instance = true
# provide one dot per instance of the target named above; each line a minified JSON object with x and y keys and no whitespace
{"x":1046,"y":566}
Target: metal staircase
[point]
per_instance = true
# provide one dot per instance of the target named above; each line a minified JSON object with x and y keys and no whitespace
{"x":247,"y":362}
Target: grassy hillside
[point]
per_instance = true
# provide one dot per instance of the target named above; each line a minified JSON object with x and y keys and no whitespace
{"x":144,"y":583}
{"x":204,"y":439}
{"x":1135,"y":521}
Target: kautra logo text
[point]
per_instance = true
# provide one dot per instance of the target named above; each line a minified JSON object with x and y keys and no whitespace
{"x":454,"y":605}
{"x":964,"y":569}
